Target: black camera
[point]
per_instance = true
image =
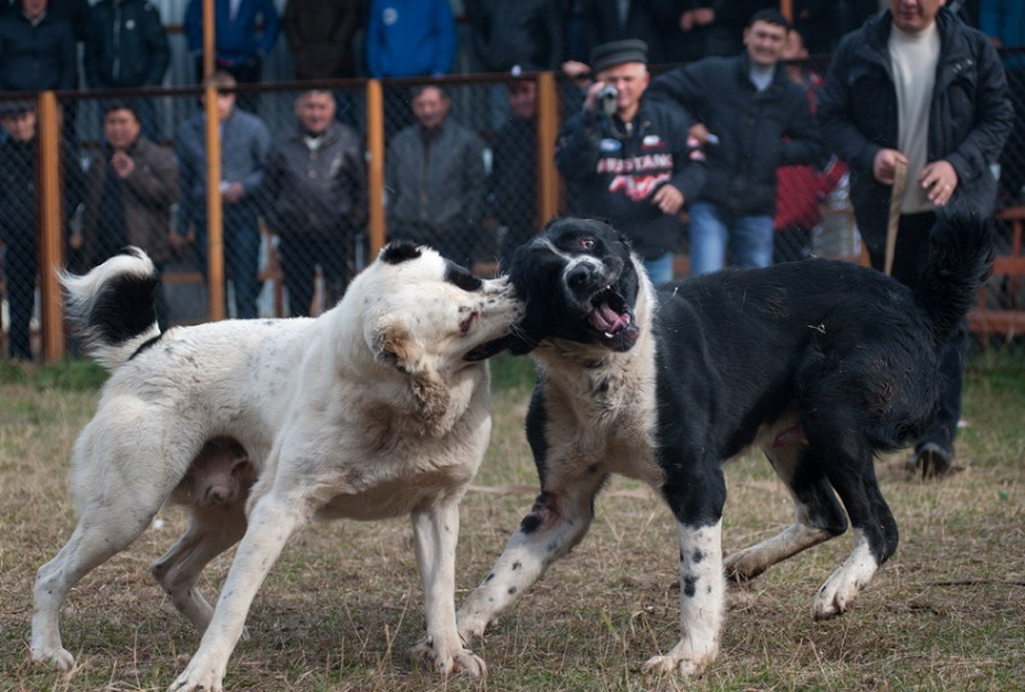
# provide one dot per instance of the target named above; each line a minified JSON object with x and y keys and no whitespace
{"x":607,"y":99}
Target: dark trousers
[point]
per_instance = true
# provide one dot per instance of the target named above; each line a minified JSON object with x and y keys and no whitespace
{"x":20,"y":270}
{"x":241,"y":257}
{"x":300,"y":256}
{"x":910,"y":258}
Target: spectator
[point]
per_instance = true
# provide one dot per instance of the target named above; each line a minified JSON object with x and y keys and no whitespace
{"x":614,"y":20}
{"x":512,"y":188}
{"x":18,"y":221}
{"x":800,"y":190}
{"x":818,"y":23}
{"x":898,"y":90}
{"x":316,"y":189}
{"x":127,"y":47}
{"x":517,"y":36}
{"x":245,"y":143}
{"x":19,"y":217}
{"x":435,"y":176}
{"x":129,"y":188}
{"x":754,"y":119}
{"x":407,"y":38}
{"x":634,"y":165}
{"x":37,"y":50}
{"x":720,"y":24}
{"x":1004,"y":22}
{"x":320,"y":35}
{"x":239,"y":46}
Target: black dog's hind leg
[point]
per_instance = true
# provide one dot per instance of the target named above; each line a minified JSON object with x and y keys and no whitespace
{"x":557,"y":522}
{"x":818,"y":515}
{"x":852,"y":474}
{"x":696,"y":497}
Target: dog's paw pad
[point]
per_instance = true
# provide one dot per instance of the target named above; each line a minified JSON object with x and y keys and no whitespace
{"x":468,"y":662}
{"x":666,"y":665}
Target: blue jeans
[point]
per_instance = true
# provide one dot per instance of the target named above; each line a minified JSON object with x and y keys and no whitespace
{"x":660,"y":269}
{"x":749,"y":239}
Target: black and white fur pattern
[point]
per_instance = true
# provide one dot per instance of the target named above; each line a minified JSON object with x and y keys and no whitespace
{"x":378,"y":408}
{"x":820,"y":363}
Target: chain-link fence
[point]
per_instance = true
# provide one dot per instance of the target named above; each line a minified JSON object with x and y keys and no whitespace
{"x":461,"y":171}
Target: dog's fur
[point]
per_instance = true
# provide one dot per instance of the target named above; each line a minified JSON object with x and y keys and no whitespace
{"x":820,"y":363}
{"x":378,"y":408}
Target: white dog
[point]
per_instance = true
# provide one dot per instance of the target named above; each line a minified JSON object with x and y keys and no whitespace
{"x":380,"y":407}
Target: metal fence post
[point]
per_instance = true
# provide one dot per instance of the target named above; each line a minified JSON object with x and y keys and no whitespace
{"x":547,"y":130}
{"x":51,"y":225}
{"x":375,"y":166}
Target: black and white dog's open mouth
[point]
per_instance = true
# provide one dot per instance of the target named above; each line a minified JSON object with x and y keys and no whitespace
{"x":613,"y":319}
{"x":487,"y":349}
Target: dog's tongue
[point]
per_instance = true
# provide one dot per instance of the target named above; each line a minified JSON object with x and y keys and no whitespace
{"x":607,"y":320}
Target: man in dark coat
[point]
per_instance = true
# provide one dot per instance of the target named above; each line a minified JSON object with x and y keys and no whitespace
{"x":316,"y":188}
{"x":320,"y":36}
{"x":918,"y":88}
{"x":127,"y":47}
{"x":37,"y":50}
{"x":512,"y":186}
{"x":129,"y":188}
{"x":753,"y":119}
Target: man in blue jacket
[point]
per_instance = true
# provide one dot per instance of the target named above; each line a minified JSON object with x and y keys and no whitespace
{"x":37,"y":50}
{"x":634,"y":163}
{"x":915,"y":86}
{"x":239,"y":46}
{"x":245,"y":143}
{"x":752,"y":119}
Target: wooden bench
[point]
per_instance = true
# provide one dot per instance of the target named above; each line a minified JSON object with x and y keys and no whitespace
{"x":1007,"y":317}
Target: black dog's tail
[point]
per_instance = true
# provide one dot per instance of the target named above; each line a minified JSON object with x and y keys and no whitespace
{"x":960,"y":260}
{"x":113,"y":305}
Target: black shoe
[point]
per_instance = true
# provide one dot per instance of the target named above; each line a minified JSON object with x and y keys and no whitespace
{"x":932,"y":460}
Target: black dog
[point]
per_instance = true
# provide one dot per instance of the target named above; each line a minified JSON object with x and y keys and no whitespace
{"x":821,"y":363}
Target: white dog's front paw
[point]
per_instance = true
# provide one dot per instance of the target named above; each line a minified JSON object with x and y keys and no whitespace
{"x":59,"y":658}
{"x":197,"y":679}
{"x":685,"y":667}
{"x":449,"y":660}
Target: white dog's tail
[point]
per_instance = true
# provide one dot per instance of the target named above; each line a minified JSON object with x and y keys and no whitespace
{"x":113,"y":306}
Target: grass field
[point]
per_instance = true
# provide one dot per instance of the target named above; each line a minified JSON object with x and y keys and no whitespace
{"x":343,"y":605}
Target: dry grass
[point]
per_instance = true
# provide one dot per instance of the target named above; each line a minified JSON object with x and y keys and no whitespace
{"x":343,"y":605}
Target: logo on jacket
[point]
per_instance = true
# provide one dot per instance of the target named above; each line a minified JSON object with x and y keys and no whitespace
{"x":389,"y":16}
{"x":638,"y":188}
{"x":610,"y":145}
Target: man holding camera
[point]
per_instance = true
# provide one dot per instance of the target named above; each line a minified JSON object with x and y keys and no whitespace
{"x":633,"y":161}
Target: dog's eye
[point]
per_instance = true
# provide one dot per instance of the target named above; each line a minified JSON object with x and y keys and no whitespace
{"x":587,"y":244}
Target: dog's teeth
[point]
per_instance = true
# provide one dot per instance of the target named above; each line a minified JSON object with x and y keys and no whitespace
{"x":608,"y":335}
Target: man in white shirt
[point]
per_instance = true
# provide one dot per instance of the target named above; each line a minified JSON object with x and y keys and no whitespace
{"x":916,"y":86}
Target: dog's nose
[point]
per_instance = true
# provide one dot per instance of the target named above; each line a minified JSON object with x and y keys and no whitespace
{"x":578,"y":277}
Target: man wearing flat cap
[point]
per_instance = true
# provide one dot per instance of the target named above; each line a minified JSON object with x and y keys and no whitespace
{"x":632,"y":160}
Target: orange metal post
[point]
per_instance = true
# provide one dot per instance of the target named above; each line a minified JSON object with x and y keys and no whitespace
{"x":214,"y":215}
{"x":547,"y":131}
{"x":375,"y":172}
{"x":51,"y":224}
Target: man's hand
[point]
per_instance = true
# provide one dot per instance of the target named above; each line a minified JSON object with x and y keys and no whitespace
{"x":940,"y":180}
{"x":233,"y":193}
{"x":591,"y":100}
{"x":669,"y":199}
{"x":884,"y":164}
{"x":179,"y":243}
{"x":123,"y":164}
{"x":700,"y":16}
{"x":699,"y":132}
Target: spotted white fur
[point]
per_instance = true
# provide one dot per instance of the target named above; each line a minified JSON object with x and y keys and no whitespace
{"x":369,"y":411}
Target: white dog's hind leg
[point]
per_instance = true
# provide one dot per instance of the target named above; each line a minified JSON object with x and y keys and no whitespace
{"x":436,"y":533}
{"x":101,"y":533}
{"x":702,"y":603}
{"x":556,"y":523}
{"x":211,"y":531}
{"x":273,"y":520}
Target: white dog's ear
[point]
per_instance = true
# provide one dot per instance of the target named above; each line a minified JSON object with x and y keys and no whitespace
{"x":393,"y":344}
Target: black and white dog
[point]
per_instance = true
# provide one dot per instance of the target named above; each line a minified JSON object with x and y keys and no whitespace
{"x":821,"y":363}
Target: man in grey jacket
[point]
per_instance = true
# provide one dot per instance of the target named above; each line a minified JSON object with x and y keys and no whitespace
{"x":316,"y":188}
{"x":245,"y":142}
{"x":435,"y":180}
